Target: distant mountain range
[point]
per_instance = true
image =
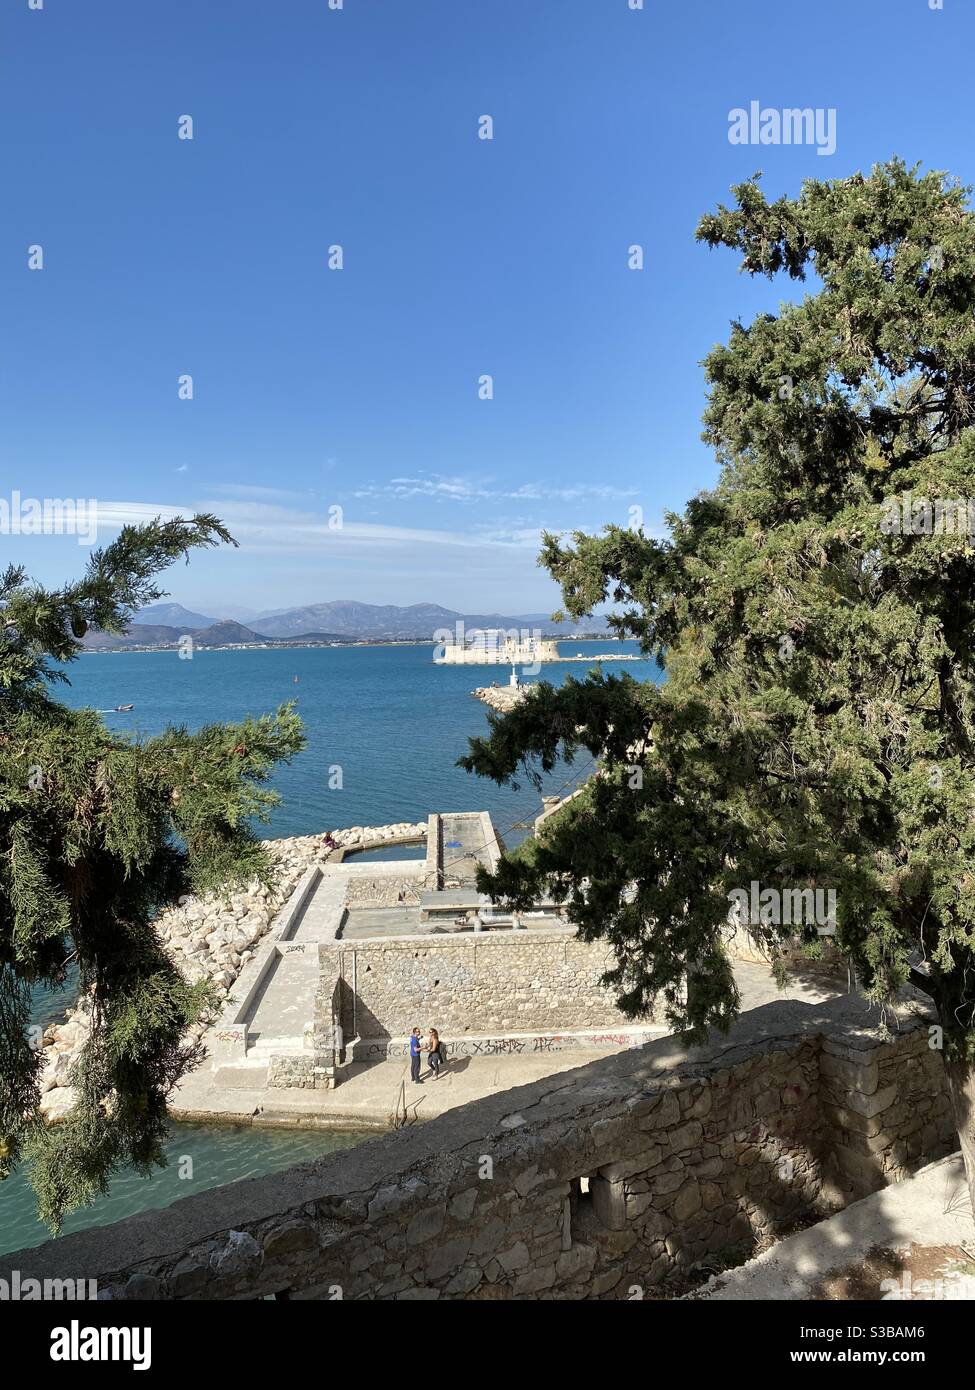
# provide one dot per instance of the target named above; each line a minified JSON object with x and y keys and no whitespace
{"x":345,"y":619}
{"x":385,"y":622}
{"x":175,"y":615}
{"x":186,"y":619}
{"x":161,"y":635}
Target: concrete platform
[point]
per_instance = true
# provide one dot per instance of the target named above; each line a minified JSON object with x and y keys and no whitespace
{"x":466,"y":842}
{"x":271,"y":1006}
{"x":373,"y":1095}
{"x":377,"y":1096}
{"x":370,"y":922}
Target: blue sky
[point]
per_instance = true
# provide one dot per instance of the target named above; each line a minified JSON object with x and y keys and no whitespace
{"x":358,"y":389}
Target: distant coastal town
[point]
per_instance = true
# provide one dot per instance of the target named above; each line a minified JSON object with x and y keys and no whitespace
{"x":269,"y":644}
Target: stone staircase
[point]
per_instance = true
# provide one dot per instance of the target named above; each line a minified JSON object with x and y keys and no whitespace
{"x":260,"y":1048}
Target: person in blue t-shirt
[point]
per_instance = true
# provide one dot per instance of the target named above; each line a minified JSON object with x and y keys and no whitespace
{"x":415,"y":1057}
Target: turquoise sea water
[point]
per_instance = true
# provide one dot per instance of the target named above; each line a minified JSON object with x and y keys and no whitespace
{"x":200,"y":1156}
{"x":400,"y":852}
{"x":392,"y":721}
{"x":395,"y":724}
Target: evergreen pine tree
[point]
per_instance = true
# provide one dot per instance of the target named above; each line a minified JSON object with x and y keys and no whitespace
{"x":815,"y":622}
{"x":98,"y":834}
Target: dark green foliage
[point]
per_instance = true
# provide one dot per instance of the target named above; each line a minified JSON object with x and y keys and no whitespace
{"x":816,"y":724}
{"x":98,"y":834}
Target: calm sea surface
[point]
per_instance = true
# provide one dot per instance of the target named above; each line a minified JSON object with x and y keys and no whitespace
{"x":200,"y":1156}
{"x":395,"y":725}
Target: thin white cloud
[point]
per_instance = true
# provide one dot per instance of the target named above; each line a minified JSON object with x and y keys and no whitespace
{"x":266,"y":527}
{"x":288,"y":553}
{"x":461,"y":489}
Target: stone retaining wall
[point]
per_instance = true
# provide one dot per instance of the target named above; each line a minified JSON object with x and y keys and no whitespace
{"x":212,"y":937}
{"x":315,"y":1067}
{"x":515,"y":1044}
{"x":384,"y":891}
{"x":623,"y":1172}
{"x":479,"y":983}
{"x":740,"y":944}
{"x":291,"y":1072}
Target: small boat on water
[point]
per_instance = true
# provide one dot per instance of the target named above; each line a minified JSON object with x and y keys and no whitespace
{"x":122,"y":709}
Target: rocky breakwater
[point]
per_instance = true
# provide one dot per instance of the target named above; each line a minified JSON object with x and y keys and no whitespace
{"x":211,"y":937}
{"x":502,"y":697}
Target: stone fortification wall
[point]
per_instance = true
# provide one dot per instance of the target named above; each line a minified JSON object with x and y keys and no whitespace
{"x":623,"y":1172}
{"x":211,"y":937}
{"x":476,"y":983}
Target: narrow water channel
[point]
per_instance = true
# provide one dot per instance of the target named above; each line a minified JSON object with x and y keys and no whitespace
{"x":200,"y":1156}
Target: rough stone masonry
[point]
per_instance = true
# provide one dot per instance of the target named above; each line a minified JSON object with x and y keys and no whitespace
{"x":620,"y":1174}
{"x":504,"y":982}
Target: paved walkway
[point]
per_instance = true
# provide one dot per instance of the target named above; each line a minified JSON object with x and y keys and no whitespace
{"x":286,"y":1001}
{"x":371,"y":1095}
{"x":463,"y":845}
{"x":322,"y":916}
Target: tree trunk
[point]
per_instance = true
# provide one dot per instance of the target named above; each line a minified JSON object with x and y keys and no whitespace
{"x":961,"y":1089}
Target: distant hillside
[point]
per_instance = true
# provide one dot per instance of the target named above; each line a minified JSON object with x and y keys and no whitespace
{"x":146,"y":635}
{"x":225,"y":633}
{"x":162,"y":637}
{"x":171,"y":615}
{"x":340,"y":620}
{"x":386,"y":622}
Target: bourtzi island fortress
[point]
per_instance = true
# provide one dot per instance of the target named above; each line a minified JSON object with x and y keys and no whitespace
{"x":495,"y":647}
{"x":565,"y":1152}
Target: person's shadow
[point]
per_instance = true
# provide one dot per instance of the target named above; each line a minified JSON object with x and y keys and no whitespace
{"x":451,"y":1065}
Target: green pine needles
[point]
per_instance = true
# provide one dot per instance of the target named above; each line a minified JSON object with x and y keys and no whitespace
{"x":98,"y":834}
{"x":814,"y":614}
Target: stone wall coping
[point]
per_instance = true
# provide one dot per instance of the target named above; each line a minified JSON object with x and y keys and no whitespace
{"x":384,"y":868}
{"x":462,"y":940}
{"x":251,"y":978}
{"x":608,"y":1086}
{"x":490,"y":841}
{"x":339,"y":856}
